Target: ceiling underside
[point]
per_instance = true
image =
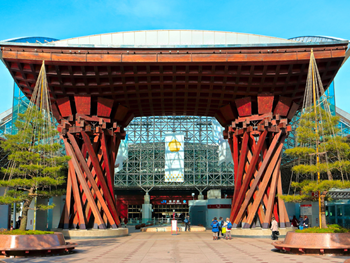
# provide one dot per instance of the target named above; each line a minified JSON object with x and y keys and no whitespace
{"x":172,"y":82}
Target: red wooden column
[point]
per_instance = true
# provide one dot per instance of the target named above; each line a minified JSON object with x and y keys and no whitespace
{"x":92,"y":141}
{"x":256,"y":140}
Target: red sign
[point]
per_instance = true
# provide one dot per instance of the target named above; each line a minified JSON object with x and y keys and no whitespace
{"x":219,"y":206}
{"x":306,"y":205}
{"x":314,"y":194}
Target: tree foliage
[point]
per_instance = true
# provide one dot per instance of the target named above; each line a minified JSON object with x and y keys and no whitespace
{"x":317,"y":137}
{"x":35,"y":168}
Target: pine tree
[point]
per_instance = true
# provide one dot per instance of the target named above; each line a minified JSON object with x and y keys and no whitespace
{"x":35,"y":169}
{"x":333,"y":153}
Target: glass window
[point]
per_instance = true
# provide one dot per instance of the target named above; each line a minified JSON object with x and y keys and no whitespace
{"x":331,"y":210}
{"x":340,"y":221}
{"x":339,"y":210}
{"x":346,"y":223}
{"x":347,"y":210}
{"x":331,"y":220}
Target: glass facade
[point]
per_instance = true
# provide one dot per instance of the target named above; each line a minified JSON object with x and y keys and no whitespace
{"x":146,"y":153}
{"x":338,"y":212}
{"x":20,"y":101}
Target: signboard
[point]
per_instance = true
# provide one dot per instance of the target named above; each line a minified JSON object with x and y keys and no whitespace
{"x":169,"y":202}
{"x":219,"y":206}
{"x":122,"y":155}
{"x":173,"y":226}
{"x":306,"y":209}
{"x":174,"y":157}
{"x":224,"y":151}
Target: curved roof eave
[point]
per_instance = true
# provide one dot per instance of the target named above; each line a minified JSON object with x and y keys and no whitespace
{"x":30,"y":39}
{"x":171,"y":39}
{"x":317,"y":39}
{"x":178,"y":39}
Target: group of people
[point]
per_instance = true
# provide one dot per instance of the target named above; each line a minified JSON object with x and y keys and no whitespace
{"x":302,"y":223}
{"x":221,"y":227}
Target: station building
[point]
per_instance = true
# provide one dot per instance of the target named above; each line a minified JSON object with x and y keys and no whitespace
{"x":139,"y":186}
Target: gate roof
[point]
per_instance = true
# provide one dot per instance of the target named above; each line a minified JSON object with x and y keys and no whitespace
{"x":173,"y":80}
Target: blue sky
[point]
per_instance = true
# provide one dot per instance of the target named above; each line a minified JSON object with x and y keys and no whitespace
{"x":66,"y":19}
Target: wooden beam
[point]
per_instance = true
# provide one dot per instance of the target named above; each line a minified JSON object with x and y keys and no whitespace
{"x":100,"y":176}
{"x":64,"y":107}
{"x":104,"y":107}
{"x":281,"y":206}
{"x":68,"y":203}
{"x":91,"y":180}
{"x":262,"y":187}
{"x":76,"y":194}
{"x":83,"y":104}
{"x":261,"y":171}
{"x":271,"y":198}
{"x":83,"y":183}
{"x":107,"y":164}
{"x":241,"y":165}
{"x":244,"y":106}
{"x":247,"y":179}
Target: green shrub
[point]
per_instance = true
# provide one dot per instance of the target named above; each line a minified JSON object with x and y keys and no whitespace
{"x":21,"y":232}
{"x":331,"y":229}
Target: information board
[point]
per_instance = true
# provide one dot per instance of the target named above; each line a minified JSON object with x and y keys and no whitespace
{"x":306,"y":209}
{"x":173,"y":226}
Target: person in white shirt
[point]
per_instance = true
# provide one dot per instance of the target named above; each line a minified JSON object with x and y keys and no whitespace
{"x":274,"y":229}
{"x":228,"y":226}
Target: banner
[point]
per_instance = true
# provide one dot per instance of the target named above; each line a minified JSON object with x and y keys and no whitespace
{"x":174,"y":157}
{"x":224,"y":150}
{"x":122,"y":155}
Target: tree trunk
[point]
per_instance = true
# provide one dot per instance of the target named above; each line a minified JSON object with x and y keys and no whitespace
{"x":323,"y":211}
{"x":330,"y":176}
{"x":25,"y":209}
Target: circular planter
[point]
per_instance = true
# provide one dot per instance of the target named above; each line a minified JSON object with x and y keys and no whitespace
{"x":93,"y":233}
{"x":315,"y":243}
{"x":34,"y":245}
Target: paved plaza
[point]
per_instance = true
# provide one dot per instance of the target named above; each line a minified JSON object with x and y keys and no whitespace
{"x":185,"y":247}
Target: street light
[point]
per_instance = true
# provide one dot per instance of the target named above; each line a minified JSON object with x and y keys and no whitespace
{"x":193,"y":196}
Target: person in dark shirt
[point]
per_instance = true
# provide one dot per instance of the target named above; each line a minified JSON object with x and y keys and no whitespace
{"x":187,"y":223}
{"x":18,"y":222}
{"x":295,"y":221}
{"x":300,"y":222}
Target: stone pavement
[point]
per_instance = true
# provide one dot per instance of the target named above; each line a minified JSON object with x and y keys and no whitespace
{"x":185,"y":247}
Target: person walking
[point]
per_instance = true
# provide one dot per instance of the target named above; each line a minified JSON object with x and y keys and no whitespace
{"x":187,"y":223}
{"x":215,"y":228}
{"x":182,"y":217}
{"x":221,"y":224}
{"x":228,"y":226}
{"x":274,"y":229}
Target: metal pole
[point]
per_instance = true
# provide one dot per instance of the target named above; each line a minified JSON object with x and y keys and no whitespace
{"x":316,"y":130}
{"x":14,"y":216}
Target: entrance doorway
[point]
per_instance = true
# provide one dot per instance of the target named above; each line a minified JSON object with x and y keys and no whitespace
{"x":166,"y":211}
